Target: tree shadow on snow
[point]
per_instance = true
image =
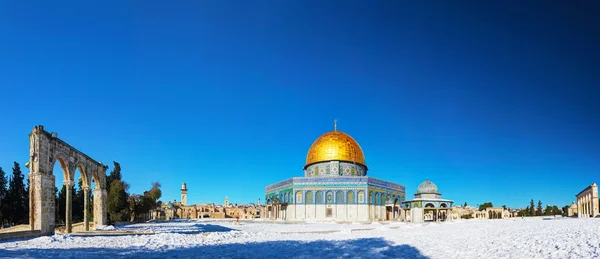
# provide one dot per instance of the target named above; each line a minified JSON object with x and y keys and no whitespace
{"x":193,"y":229}
{"x":356,"y":248}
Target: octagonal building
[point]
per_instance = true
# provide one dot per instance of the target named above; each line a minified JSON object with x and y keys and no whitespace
{"x":335,"y":186}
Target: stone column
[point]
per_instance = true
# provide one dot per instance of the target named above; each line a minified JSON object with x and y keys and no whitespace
{"x":31,"y":203}
{"x":43,"y":195}
{"x":86,"y":205}
{"x":100,"y":207}
{"x":68,"y":207}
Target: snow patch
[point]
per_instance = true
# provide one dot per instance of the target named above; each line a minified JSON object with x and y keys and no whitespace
{"x":104,"y":228}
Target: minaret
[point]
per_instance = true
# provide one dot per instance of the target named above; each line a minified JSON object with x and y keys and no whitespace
{"x":226,"y":202}
{"x":184,"y":194}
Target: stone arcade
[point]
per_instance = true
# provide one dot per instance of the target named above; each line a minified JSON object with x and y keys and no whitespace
{"x":45,"y":149}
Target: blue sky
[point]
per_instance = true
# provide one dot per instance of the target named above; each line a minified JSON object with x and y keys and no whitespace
{"x":491,"y":101}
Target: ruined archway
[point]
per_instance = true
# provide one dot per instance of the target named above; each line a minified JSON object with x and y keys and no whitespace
{"x":44,"y":150}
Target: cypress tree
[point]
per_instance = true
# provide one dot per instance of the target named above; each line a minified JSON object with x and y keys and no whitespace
{"x":78,"y":202}
{"x":532,"y":208}
{"x":116,"y":202}
{"x":540,"y":210}
{"x":16,"y":197}
{"x":62,"y":204}
{"x":56,"y":207}
{"x":3,"y":199}
{"x":115,"y":174}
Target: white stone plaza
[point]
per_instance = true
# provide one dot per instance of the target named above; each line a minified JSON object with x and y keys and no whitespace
{"x":552,"y":237}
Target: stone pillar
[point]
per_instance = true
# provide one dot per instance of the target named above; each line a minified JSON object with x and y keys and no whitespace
{"x":100,"y":207}
{"x":578,"y":208}
{"x":31,"y":203}
{"x":86,"y":205}
{"x":43,"y":205}
{"x":68,"y":207}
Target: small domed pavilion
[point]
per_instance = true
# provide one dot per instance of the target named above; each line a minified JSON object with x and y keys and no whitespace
{"x":427,"y":205}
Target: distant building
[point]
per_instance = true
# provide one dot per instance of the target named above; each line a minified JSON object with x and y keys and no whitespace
{"x":180,"y":210}
{"x":587,"y":202}
{"x":572,"y":211}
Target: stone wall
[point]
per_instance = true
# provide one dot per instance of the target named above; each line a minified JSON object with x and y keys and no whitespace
{"x":20,"y":234}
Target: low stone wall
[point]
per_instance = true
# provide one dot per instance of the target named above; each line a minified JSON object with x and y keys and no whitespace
{"x":22,"y":227}
{"x":20,"y":234}
{"x":76,"y":227}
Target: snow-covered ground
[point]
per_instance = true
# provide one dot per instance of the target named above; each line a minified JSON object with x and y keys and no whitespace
{"x":507,"y":238}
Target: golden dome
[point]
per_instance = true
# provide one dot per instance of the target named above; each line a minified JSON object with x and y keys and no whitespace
{"x":335,"y":145}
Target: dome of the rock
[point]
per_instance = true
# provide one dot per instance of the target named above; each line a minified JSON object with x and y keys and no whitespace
{"x":335,"y":146}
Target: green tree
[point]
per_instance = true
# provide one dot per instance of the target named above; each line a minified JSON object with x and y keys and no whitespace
{"x":482,"y":207}
{"x":56,"y":207}
{"x":532,"y":208}
{"x":556,"y":210}
{"x":115,"y":174}
{"x":154,"y":193}
{"x":465,"y":204}
{"x":565,"y":210}
{"x":16,"y":197}
{"x":26,"y":201}
{"x":504,"y":207}
{"x":3,"y":199}
{"x":77,"y":209}
{"x":62,"y":204}
{"x":540,"y":210}
{"x":116,"y":202}
{"x":548,"y":211}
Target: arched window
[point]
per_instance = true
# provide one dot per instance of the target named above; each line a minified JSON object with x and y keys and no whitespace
{"x":339,"y":197}
{"x":319,"y":197}
{"x":329,"y":197}
{"x":371,"y":198}
{"x":361,"y":197}
{"x":377,"y":198}
{"x":350,"y":197}
{"x":308,"y":198}
{"x":298,"y":197}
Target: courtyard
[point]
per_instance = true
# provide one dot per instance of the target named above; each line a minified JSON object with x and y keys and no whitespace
{"x":553,"y":237}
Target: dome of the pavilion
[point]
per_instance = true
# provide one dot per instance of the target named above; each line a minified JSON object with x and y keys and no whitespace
{"x":427,"y":187}
{"x":335,"y":146}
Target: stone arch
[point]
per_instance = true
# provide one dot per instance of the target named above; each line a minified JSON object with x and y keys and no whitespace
{"x":63,"y":164}
{"x":444,"y":205}
{"x":44,"y":150}
{"x":298,"y":197}
{"x":361,"y":197}
{"x":350,"y":197}
{"x":329,"y":197}
{"x":319,"y":197}
{"x":429,"y":205}
{"x":308,"y":197}
{"x":339,"y":197}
